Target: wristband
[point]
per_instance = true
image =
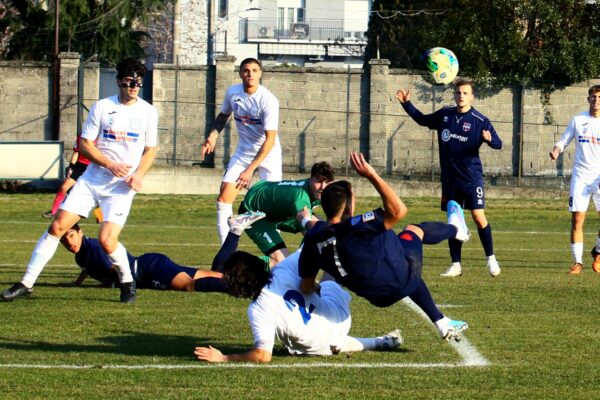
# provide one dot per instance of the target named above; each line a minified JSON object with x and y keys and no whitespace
{"x":305,"y":221}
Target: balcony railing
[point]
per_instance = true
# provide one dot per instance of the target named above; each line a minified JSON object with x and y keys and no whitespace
{"x":319,"y":30}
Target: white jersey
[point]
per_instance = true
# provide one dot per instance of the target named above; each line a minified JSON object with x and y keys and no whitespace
{"x":305,"y":324}
{"x":585,"y":129}
{"x":121,"y":133}
{"x":253,"y":114}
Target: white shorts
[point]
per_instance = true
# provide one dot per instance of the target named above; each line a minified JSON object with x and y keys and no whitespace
{"x":268,"y":170}
{"x":84,"y":196}
{"x":581,"y":191}
{"x":335,"y":307}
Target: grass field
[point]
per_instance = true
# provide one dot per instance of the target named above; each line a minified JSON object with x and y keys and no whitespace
{"x":535,"y":326}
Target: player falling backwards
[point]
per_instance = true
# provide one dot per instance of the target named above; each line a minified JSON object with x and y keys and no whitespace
{"x":363,"y":253}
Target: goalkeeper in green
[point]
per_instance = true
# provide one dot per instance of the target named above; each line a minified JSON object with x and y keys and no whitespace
{"x":288,"y":207}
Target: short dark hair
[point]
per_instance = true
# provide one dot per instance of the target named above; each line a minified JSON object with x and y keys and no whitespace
{"x":336,"y":196}
{"x":130,"y":67}
{"x":593,"y":89}
{"x":245,"y":275}
{"x":250,"y":60}
{"x":322,"y":170}
{"x":464,"y":82}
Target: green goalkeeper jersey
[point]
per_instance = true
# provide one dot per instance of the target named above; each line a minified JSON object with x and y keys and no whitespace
{"x":281,"y":201}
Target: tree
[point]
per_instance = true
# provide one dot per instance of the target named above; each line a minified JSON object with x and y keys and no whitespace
{"x":501,"y":41}
{"x":111,"y":29}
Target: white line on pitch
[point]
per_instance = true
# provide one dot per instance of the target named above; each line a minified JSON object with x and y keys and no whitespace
{"x":469,"y":354}
{"x":236,"y":365}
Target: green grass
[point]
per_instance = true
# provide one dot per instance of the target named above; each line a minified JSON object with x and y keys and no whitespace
{"x":536,"y":325}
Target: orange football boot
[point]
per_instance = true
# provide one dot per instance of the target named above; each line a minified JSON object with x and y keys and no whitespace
{"x":575,"y":269}
{"x":596,"y":262}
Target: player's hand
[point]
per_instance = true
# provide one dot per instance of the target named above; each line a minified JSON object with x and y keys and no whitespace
{"x":361,"y":166}
{"x":243,"y":181}
{"x":209,"y":146}
{"x":119,"y":169}
{"x":486,"y":135}
{"x":403,"y":96}
{"x":554,"y":153}
{"x":304,"y":213}
{"x":209,"y":354}
{"x":134,"y":182}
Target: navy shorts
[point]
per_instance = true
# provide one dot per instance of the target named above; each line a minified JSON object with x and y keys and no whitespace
{"x":157,"y":271}
{"x":413,"y":252}
{"x":469,"y":200}
{"x":77,"y":170}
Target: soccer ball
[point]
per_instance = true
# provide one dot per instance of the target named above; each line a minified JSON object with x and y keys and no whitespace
{"x":442,"y":65}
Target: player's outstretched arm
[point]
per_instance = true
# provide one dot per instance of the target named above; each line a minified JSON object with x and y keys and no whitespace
{"x":212,"y":354}
{"x":393,"y":207}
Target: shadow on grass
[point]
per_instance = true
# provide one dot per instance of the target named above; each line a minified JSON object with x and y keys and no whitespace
{"x":141,"y":344}
{"x":129,"y":343}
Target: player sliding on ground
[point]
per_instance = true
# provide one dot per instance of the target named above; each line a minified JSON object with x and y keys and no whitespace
{"x":313,"y":324}
{"x":364,"y":254}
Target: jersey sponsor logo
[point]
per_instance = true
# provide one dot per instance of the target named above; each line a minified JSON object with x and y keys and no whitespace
{"x":588,"y":139}
{"x":291,"y":183}
{"x":247,"y":120}
{"x":355,"y":220}
{"x":120,"y":136}
{"x":466,"y":127}
{"x":445,"y":135}
{"x":368,"y":216}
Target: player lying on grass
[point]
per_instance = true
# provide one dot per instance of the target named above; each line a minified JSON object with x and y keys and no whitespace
{"x":281,"y":202}
{"x":150,"y":270}
{"x":314,"y":324}
{"x":364,"y":253}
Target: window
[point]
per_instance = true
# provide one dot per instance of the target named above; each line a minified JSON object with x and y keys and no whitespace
{"x":222,"y":11}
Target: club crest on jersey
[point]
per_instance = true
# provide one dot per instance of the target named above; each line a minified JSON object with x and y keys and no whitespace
{"x":445,"y":135}
{"x":368,"y":216}
{"x":466,"y":127}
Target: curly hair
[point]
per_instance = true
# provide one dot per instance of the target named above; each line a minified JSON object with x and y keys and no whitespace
{"x":130,"y":67}
{"x":322,"y":170}
{"x":245,"y":275}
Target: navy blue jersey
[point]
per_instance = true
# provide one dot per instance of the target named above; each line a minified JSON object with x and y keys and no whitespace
{"x":95,"y":262}
{"x":362,"y":255}
{"x":151,"y":270}
{"x":459,"y":140}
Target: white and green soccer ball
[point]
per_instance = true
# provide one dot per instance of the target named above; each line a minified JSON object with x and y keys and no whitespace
{"x":442,"y":65}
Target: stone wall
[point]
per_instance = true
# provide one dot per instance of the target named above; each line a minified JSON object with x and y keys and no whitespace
{"x":324,"y":114}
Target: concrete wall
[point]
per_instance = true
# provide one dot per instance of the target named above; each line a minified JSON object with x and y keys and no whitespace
{"x":25,"y":99}
{"x":324,"y":114}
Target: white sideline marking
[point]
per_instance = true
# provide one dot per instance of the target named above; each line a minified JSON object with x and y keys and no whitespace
{"x":200,"y":365}
{"x":217,"y":245}
{"x":203,"y":227}
{"x":469,"y":354}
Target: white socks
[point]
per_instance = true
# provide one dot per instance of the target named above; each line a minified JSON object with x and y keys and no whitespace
{"x":352,"y":344}
{"x":121,"y":262}
{"x":577,"y":252}
{"x":42,"y":253}
{"x":224,"y":211}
